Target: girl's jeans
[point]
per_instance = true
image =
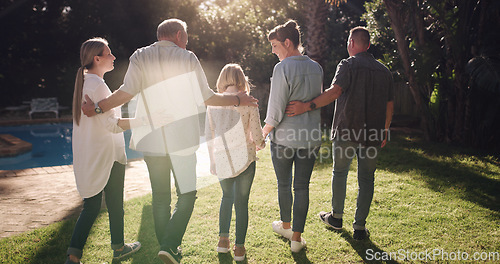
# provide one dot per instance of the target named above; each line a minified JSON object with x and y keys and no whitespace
{"x":91,"y":207}
{"x":236,"y":190}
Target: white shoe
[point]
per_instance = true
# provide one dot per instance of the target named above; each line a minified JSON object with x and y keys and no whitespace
{"x":239,"y":258}
{"x":297,"y":246}
{"x":278,"y":228}
{"x":222,"y":250}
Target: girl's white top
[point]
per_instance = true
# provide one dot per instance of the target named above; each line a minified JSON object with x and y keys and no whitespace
{"x":97,"y":142}
{"x":232,"y":134}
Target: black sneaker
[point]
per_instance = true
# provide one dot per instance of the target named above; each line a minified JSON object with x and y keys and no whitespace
{"x":169,"y":256}
{"x":128,"y":249}
{"x":361,"y":234}
{"x":329,"y":220}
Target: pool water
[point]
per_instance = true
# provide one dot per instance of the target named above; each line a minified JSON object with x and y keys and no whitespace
{"x":51,"y":146}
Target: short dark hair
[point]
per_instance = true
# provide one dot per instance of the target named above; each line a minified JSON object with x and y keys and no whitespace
{"x":360,"y":34}
{"x":290,"y":30}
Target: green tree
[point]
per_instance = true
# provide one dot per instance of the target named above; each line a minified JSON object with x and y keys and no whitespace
{"x":40,"y":54}
{"x":435,"y":40}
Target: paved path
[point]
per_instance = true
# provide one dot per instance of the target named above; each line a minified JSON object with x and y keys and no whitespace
{"x":33,"y":198}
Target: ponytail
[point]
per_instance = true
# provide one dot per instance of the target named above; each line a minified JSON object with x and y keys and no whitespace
{"x":89,"y":49}
{"x":77,"y":95}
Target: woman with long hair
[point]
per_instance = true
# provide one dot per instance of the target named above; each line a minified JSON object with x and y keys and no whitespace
{"x":98,"y":153}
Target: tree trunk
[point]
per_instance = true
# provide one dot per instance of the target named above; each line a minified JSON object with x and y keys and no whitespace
{"x":315,"y":38}
{"x":394,"y":10}
{"x":316,"y":45}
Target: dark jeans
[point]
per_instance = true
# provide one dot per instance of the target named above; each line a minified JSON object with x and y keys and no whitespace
{"x":91,"y":207}
{"x":284,"y":158}
{"x":170,"y":227}
{"x":236,"y":190}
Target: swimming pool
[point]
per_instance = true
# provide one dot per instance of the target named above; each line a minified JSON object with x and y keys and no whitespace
{"x":51,"y":146}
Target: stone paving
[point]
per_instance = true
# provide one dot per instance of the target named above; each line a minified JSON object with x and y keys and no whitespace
{"x":38,"y":197}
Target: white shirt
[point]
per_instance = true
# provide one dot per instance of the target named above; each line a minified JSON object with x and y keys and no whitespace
{"x":171,"y":88}
{"x":97,"y":142}
{"x":232,"y":134}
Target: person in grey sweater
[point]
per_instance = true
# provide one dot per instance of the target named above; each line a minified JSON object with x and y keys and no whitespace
{"x":295,"y":141}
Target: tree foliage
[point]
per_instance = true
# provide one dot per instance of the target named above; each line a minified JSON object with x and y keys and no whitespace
{"x":41,"y":54}
{"x":446,"y":50}
{"x":434,"y":41}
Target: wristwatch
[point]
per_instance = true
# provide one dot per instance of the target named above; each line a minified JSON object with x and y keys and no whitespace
{"x":312,"y":105}
{"x":97,"y":109}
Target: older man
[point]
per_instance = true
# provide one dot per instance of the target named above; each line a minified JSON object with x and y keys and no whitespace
{"x":171,"y":87}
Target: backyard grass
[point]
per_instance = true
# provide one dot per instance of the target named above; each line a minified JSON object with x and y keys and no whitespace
{"x":432,"y":203}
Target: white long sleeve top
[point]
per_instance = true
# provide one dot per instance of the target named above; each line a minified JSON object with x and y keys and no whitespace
{"x":97,"y":142}
{"x":232,"y":134}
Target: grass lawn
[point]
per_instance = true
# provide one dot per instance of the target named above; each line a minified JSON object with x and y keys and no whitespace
{"x":433,"y":202}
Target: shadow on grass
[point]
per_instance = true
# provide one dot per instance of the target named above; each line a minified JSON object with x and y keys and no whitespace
{"x":149,"y":244}
{"x":54,"y":249}
{"x":226,"y":258}
{"x":438,"y":164}
{"x":55,"y":242}
{"x":55,"y":246}
{"x":301,"y":257}
{"x":362,"y":247}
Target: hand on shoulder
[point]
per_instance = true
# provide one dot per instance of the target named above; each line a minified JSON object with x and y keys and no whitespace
{"x":247,"y":100}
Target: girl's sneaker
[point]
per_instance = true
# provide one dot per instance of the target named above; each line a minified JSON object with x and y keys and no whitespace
{"x":223,"y":246}
{"x":239,"y":250}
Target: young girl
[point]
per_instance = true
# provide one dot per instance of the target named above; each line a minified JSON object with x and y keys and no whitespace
{"x":233,"y":136}
{"x":98,"y":153}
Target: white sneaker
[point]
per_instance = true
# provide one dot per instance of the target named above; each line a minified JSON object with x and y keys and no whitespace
{"x":278,"y":228}
{"x":222,"y":250}
{"x":297,"y":246}
{"x":239,"y":258}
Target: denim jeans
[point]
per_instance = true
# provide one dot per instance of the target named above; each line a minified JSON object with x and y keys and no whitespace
{"x":343,"y":153}
{"x":236,"y":190}
{"x":284,"y":158}
{"x":170,"y":227}
{"x":91,"y":208}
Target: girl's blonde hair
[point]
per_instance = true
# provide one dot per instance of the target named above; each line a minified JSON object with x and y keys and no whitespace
{"x":232,"y":75}
{"x":89,"y":49}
